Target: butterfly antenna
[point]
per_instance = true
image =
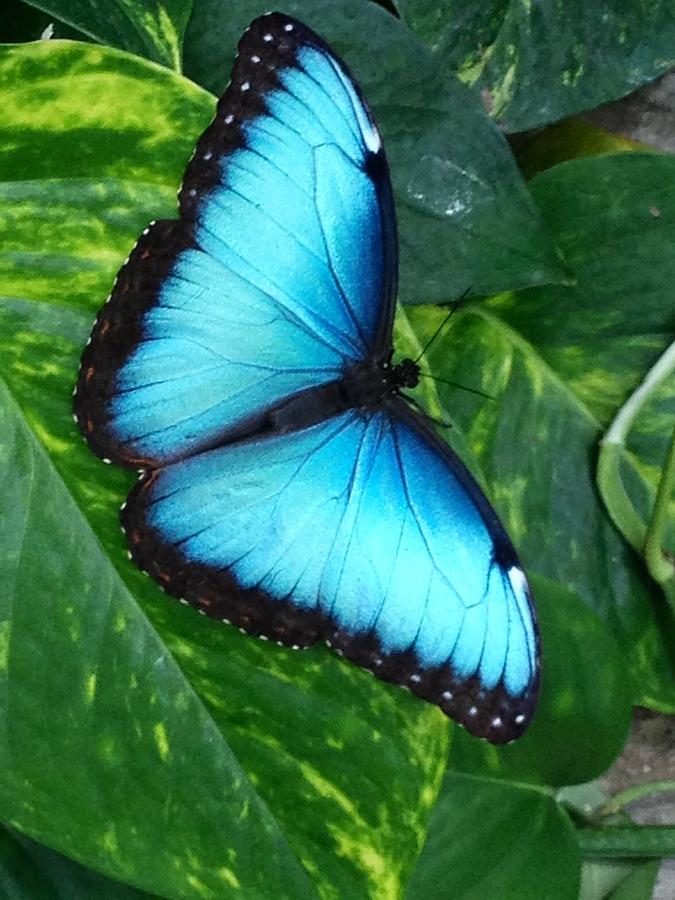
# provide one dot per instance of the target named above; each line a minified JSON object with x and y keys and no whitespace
{"x":455,"y":306}
{"x":462,"y":387}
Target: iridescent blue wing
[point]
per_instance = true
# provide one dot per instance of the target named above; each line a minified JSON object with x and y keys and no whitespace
{"x":365,"y":531}
{"x":280,"y":273}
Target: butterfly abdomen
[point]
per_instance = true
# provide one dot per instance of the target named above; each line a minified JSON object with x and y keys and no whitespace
{"x":365,"y":386}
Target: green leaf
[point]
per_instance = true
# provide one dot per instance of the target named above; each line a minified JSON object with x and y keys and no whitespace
{"x":639,"y":884}
{"x":618,"y":802}
{"x":617,"y":879}
{"x":538,"y":62}
{"x":29,"y":870}
{"x":488,"y":839}
{"x":148,"y":28}
{"x":250,"y":761}
{"x":466,"y":220}
{"x":614,"y":218}
{"x":111,"y":757}
{"x":584,"y":691}
{"x":73,"y":110}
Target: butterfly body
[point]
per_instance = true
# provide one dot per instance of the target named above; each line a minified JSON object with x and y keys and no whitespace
{"x":364,"y":387}
{"x":244,"y":363}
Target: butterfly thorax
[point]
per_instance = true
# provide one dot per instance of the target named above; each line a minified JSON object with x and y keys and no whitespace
{"x":369,"y":384}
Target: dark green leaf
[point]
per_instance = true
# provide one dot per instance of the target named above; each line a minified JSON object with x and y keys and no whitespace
{"x":458,"y":33}
{"x":148,"y":28}
{"x":21,"y":22}
{"x":29,"y":871}
{"x":466,"y":220}
{"x":537,"y":62}
{"x":614,"y":218}
{"x":347,"y":768}
{"x":491,"y":839}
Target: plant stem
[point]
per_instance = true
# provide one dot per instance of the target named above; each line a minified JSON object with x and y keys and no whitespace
{"x":662,"y":369}
{"x":660,"y":567}
{"x":627,"y":841}
{"x":647,"y":539}
{"x":616,"y":803}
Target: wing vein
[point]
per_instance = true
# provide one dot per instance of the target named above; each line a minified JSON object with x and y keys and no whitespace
{"x":425,"y":541}
{"x":343,"y":296}
{"x":356,"y":133}
{"x":279,"y":303}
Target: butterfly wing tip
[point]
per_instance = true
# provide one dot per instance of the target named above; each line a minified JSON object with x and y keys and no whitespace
{"x":497,"y":727}
{"x":492,"y":714}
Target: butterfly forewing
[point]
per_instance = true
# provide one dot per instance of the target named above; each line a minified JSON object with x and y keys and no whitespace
{"x":279,"y":275}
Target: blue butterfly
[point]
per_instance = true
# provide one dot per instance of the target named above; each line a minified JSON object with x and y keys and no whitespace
{"x":244,"y":362}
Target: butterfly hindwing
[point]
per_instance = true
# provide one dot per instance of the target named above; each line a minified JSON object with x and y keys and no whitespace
{"x":332,"y":532}
{"x":280,"y":273}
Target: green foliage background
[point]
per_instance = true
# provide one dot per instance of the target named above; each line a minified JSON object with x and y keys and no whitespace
{"x":164,"y":755}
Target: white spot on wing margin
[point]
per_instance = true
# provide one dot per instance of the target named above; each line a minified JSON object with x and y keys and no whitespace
{"x":517,"y":579}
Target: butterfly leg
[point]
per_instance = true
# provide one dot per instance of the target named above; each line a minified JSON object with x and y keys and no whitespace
{"x":441,"y":423}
